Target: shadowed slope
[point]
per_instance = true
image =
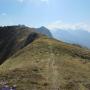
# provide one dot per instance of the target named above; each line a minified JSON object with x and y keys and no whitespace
{"x":13,"y":38}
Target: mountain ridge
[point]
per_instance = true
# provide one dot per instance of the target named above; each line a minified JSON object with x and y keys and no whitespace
{"x":46,"y":64}
{"x":14,"y":38}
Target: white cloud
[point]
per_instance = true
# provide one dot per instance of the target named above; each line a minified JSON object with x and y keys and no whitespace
{"x":68,"y":26}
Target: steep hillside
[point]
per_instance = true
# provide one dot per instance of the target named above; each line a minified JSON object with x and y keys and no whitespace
{"x":45,"y":31}
{"x":47,"y":64}
{"x":13,"y":38}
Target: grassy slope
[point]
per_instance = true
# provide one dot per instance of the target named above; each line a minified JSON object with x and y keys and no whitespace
{"x":14,"y":38}
{"x":48,"y":64}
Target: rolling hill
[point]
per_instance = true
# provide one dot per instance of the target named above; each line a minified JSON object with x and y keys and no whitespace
{"x":47,"y":64}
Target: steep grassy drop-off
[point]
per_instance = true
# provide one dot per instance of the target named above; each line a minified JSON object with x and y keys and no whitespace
{"x":14,"y":38}
{"x":47,"y":64}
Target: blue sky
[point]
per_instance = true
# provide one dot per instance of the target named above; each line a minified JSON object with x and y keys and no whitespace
{"x":45,"y":12}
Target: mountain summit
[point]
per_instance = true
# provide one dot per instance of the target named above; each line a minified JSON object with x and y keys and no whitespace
{"x":45,"y":31}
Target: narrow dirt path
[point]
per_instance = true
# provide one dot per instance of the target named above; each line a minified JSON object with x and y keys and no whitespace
{"x":53,"y":73}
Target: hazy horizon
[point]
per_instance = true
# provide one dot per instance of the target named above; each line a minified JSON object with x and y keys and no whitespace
{"x":52,"y":13}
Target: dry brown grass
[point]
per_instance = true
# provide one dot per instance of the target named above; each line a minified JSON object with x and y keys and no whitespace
{"x":47,"y":64}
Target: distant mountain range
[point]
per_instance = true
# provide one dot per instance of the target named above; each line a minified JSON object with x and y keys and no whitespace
{"x":80,"y":37}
